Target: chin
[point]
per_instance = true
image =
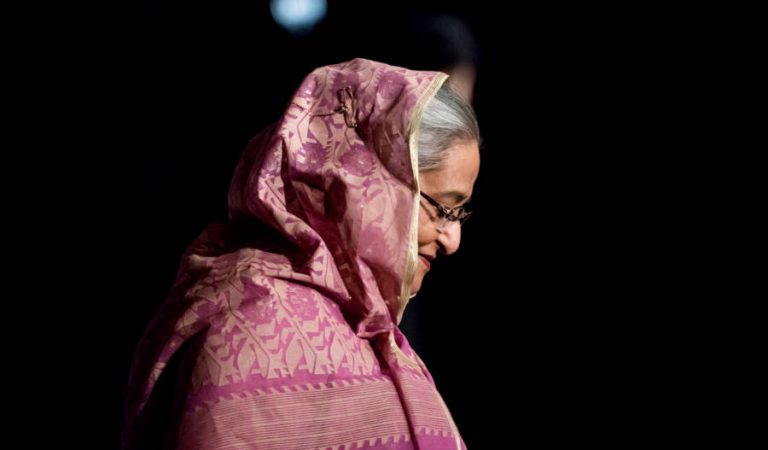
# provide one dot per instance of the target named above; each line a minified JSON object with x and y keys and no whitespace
{"x":418,"y":278}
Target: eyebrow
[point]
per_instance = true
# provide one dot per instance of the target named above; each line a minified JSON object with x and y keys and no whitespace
{"x":456,"y":196}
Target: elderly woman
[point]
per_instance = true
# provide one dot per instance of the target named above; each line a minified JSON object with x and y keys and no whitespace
{"x":281,"y":329}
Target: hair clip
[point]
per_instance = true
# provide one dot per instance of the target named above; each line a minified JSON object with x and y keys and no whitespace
{"x":348,"y":106}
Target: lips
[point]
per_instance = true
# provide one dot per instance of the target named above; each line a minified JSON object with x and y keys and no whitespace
{"x":425,"y":261}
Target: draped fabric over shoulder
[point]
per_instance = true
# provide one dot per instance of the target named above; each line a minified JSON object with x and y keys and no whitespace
{"x":281,"y":330}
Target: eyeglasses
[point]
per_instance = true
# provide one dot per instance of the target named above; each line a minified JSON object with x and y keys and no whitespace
{"x":445,"y":214}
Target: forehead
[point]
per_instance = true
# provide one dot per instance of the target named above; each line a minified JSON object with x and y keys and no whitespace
{"x":454,"y":180}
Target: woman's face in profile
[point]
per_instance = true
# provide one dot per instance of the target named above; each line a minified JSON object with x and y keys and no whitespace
{"x":451,"y":185}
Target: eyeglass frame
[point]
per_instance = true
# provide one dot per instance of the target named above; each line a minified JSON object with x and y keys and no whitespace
{"x":446,"y":214}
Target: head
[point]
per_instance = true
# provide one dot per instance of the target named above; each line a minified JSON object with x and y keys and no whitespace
{"x":449,"y":162}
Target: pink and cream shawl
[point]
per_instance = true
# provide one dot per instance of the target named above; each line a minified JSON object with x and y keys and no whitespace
{"x":281,"y":330}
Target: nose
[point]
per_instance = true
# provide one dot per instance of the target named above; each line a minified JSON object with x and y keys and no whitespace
{"x":450,"y":238}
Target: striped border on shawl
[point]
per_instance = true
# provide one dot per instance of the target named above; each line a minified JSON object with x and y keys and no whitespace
{"x":286,"y":418}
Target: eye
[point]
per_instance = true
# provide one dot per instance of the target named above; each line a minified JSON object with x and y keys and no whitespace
{"x":445,"y":212}
{"x":453,"y":214}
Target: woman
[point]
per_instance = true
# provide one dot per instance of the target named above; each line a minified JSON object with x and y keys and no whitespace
{"x":281,"y":329}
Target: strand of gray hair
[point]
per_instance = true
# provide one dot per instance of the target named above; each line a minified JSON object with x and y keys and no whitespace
{"x":446,"y":120}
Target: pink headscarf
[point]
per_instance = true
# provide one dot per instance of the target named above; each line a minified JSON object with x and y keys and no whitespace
{"x":287,"y":315}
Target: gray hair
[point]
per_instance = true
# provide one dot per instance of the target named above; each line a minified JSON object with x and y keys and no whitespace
{"x":446,"y":118}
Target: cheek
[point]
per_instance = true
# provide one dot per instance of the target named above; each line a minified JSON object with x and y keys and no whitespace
{"x":426,"y":230}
